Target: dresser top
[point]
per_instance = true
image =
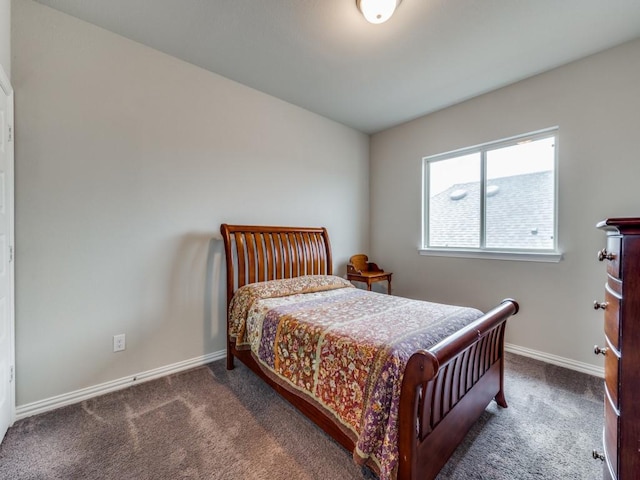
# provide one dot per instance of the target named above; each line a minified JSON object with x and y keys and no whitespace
{"x":628,"y":225}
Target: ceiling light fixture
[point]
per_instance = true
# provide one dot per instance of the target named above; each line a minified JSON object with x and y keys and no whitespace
{"x":377,"y":11}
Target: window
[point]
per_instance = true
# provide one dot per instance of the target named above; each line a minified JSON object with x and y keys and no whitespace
{"x":495,"y":200}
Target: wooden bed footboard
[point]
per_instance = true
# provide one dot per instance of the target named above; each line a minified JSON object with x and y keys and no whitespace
{"x":446,"y":388}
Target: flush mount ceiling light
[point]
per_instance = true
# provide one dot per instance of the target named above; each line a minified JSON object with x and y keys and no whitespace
{"x":377,"y":11}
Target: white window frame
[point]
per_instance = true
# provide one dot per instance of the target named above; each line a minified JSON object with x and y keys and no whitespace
{"x":534,"y":255}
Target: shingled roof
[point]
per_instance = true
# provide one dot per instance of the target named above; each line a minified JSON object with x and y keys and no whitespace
{"x":519,"y":214}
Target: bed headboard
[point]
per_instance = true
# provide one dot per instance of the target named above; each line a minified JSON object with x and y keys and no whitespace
{"x":257,"y":253}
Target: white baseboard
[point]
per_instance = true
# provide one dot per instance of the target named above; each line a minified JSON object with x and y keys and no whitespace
{"x":77,"y":396}
{"x":556,"y":360}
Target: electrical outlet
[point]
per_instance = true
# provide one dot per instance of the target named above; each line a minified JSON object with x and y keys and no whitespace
{"x":119,"y":343}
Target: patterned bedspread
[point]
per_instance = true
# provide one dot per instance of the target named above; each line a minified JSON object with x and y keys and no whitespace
{"x":343,"y":347}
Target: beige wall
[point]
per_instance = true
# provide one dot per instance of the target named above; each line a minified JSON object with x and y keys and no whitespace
{"x":5,"y":36}
{"x":127,"y":161}
{"x":596,"y":104}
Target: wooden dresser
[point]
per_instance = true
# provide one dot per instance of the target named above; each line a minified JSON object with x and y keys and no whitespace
{"x":621,"y":305}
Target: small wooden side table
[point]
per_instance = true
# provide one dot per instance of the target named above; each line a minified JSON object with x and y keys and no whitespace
{"x":360,"y":269}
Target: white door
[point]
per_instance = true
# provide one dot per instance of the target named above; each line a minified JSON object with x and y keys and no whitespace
{"x":7,"y":390}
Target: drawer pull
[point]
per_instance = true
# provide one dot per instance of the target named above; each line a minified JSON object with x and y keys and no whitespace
{"x":604,"y":255}
{"x":602,"y":305}
{"x":597,"y":350}
{"x":597,"y":455}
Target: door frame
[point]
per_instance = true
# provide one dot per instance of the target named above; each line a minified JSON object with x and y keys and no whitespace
{"x":7,"y":89}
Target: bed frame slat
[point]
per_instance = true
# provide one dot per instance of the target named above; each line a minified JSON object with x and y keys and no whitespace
{"x":286,"y":254}
{"x":277,"y":241}
{"x":251,"y":257}
{"x":260,"y":248}
{"x":308,"y":258}
{"x":313,"y":253}
{"x":241,"y":264}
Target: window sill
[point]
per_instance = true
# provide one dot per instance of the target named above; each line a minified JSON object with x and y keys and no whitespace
{"x":546,"y":257}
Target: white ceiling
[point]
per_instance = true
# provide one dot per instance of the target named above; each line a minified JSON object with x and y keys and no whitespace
{"x":323,"y":56}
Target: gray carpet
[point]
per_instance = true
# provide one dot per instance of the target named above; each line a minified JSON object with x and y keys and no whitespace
{"x":212,"y":424}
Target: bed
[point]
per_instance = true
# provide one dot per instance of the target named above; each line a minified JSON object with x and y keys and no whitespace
{"x":425,"y":392}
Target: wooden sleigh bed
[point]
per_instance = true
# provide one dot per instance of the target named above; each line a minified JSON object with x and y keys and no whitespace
{"x":444,"y":388}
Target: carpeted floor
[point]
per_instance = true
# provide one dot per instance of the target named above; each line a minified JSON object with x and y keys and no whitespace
{"x":209,"y":423}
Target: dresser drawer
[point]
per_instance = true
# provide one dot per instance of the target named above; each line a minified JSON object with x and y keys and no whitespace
{"x":613,"y":249}
{"x":611,"y":362}
{"x":612,"y":318}
{"x":610,"y":437}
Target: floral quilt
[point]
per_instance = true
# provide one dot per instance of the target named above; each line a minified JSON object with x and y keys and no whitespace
{"x":343,"y":347}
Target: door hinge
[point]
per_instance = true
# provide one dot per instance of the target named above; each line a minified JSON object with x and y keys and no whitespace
{"x":10,"y":253}
{"x":11,"y":374}
{"x":10,"y":133}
